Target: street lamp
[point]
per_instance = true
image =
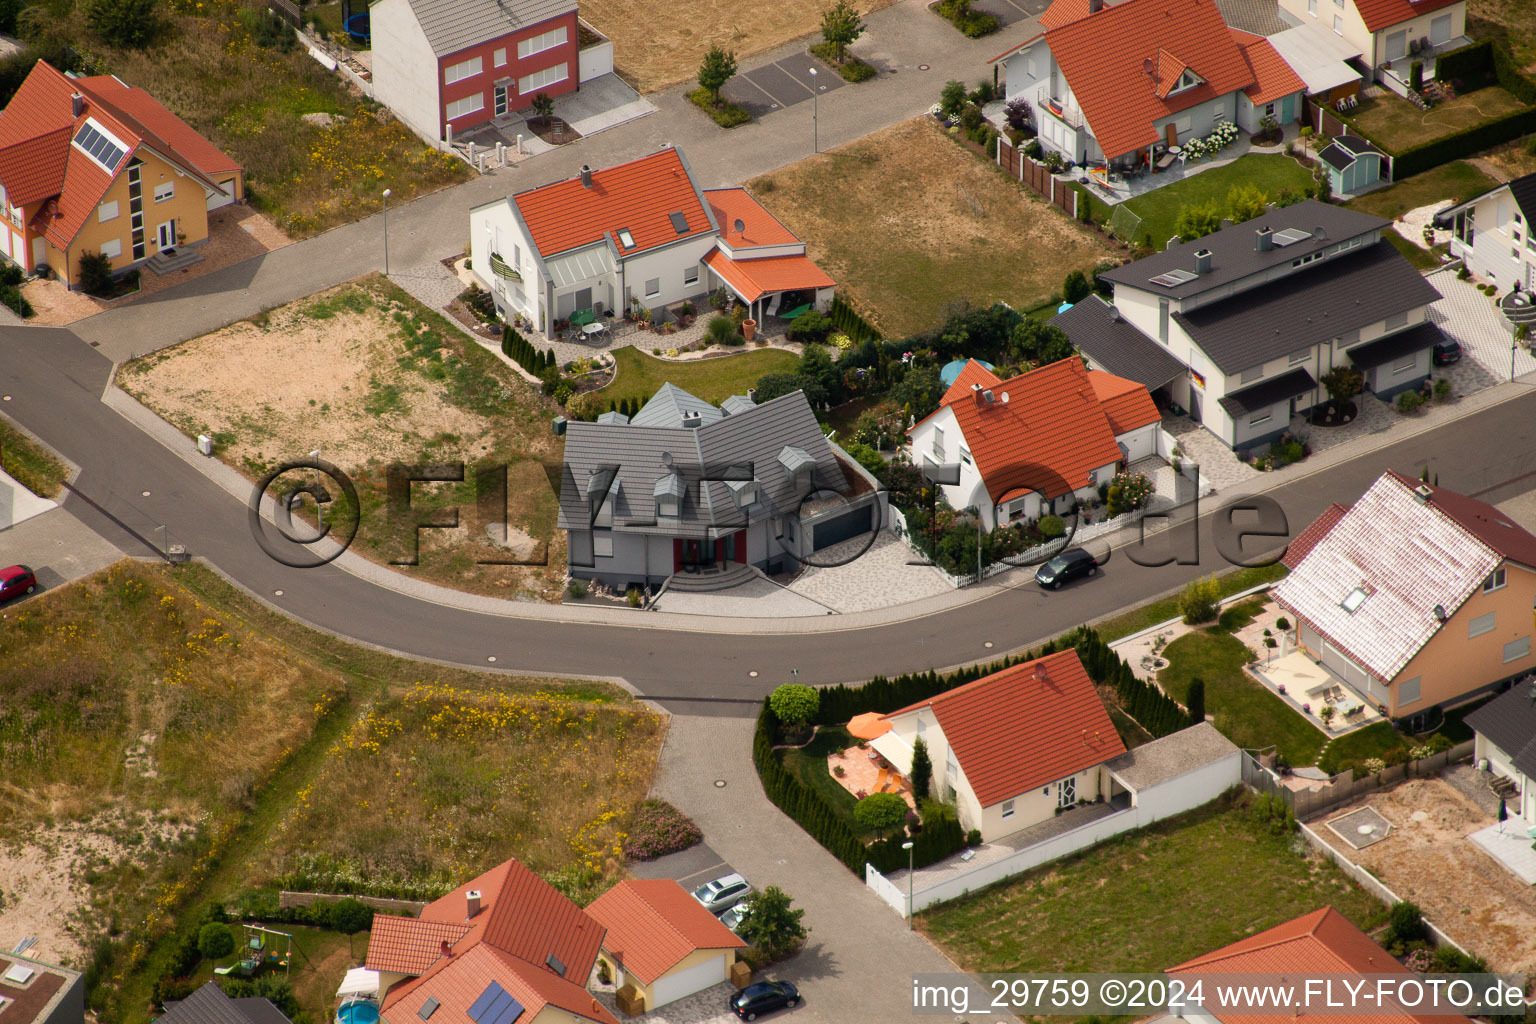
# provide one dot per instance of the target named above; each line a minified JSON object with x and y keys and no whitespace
{"x":386,"y":232}
{"x":977,"y":510}
{"x":815,"y":137}
{"x":908,"y":847}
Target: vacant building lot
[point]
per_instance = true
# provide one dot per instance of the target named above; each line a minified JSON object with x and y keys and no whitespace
{"x":1429,"y":860}
{"x":1149,"y":899}
{"x":907,"y":222}
{"x":369,"y":377}
{"x":657,"y":44}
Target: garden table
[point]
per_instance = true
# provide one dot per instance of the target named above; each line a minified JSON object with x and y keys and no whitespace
{"x":593,"y":328}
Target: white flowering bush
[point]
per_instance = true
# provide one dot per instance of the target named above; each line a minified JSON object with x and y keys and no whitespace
{"x":1196,"y":148}
{"x":1223,"y":135}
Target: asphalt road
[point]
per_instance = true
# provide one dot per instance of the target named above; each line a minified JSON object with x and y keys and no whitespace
{"x":130,"y":485}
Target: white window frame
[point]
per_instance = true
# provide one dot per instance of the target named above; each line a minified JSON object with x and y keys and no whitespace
{"x":457,"y":108}
{"x":691,"y":275}
{"x":544,"y":41}
{"x":1259,"y":419}
{"x":1066,"y":791}
{"x":951,"y":766}
{"x":1312,"y":7}
{"x":1353,"y":600}
{"x":499,"y":58}
{"x":112,"y":248}
{"x":1482,"y":625}
{"x":1338,"y":23}
{"x":1404,"y":366}
{"x":938,"y":441}
{"x":1497,"y":580}
{"x":165,"y":190}
{"x":1007,"y":809}
{"x":1522,"y":649}
{"x":107,"y":211}
{"x":541,"y":80}
{"x":462,"y":70}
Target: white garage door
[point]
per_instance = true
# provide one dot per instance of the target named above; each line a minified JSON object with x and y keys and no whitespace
{"x":216,"y":199}
{"x":687,"y":982}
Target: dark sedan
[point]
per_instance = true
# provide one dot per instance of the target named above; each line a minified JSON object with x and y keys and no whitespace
{"x":1065,"y":567}
{"x":1446,"y":352}
{"x":762,"y":997}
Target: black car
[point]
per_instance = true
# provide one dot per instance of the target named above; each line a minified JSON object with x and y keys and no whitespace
{"x":1069,"y":565}
{"x":1446,"y":352}
{"x":762,"y":997}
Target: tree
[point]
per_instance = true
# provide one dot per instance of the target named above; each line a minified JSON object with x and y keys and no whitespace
{"x":1245,"y":202}
{"x":10,"y":10}
{"x":951,"y":98}
{"x":1195,"y":701}
{"x":1405,"y":924}
{"x":772,"y":923}
{"x":131,"y":24}
{"x":1019,"y":113}
{"x":1343,"y":383}
{"x":1198,"y":221}
{"x":1076,"y":287}
{"x":795,"y":704}
{"x":880,"y":811}
{"x":922,"y":769}
{"x":95,"y":272}
{"x":840,"y":27}
{"x":718,"y":68}
{"x":919,"y":391}
{"x":350,"y":916}
{"x":865,"y":456}
{"x":816,"y":365}
{"x":1200,"y":600}
{"x":1035,"y":342}
{"x":214,"y":940}
{"x":777,"y":385}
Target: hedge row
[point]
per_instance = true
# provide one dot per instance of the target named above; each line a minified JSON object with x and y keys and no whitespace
{"x":1148,"y":705}
{"x":846,"y":320}
{"x":518,"y":348}
{"x":1474,"y":65}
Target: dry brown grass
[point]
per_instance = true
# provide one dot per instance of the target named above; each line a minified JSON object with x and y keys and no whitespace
{"x":437,"y":780}
{"x":907,"y":222}
{"x":1513,"y":20}
{"x":370,"y":377}
{"x":1514,"y":159}
{"x":658,"y":43}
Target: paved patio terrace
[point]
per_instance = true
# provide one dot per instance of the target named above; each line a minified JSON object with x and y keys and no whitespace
{"x":1296,"y":679}
{"x":1508,"y":843}
{"x":1123,"y":189}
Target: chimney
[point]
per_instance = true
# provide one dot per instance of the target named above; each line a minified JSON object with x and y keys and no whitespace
{"x":1264,"y":240}
{"x":1422,"y":493}
{"x":586,"y":176}
{"x":77,"y":104}
{"x":752,"y":395}
{"x":692,"y":419}
{"x":1226,"y":222}
{"x":976,"y":394}
{"x":1095,"y":6}
{"x":1203,"y":261}
{"x":472,"y":904}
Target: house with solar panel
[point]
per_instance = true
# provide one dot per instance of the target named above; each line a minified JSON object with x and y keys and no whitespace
{"x":95,"y":165}
{"x":708,"y":493}
{"x":638,"y":235}
{"x":504,"y":948}
{"x":1238,"y":328}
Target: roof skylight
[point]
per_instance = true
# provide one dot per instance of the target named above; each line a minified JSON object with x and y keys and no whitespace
{"x":1353,"y":600}
{"x":626,"y":239}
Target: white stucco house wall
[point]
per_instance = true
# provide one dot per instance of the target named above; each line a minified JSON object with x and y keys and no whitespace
{"x":1384,"y":30}
{"x":1492,"y":233}
{"x":1505,"y":731}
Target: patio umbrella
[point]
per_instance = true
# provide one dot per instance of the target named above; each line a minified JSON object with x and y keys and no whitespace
{"x":869,"y":725}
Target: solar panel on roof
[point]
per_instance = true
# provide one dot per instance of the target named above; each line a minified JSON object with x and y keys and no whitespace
{"x":1290,"y":236}
{"x":428,"y":1008}
{"x":1173,"y":278}
{"x":99,"y":145}
{"x":495,"y":1006}
{"x":679,"y":223}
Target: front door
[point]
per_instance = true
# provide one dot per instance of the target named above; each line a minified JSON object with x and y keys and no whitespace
{"x":499,"y":100}
{"x":1287,"y":110}
{"x":165,"y":235}
{"x":1066,"y":792}
{"x":1173,"y":134}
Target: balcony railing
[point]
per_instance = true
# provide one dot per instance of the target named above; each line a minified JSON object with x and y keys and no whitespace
{"x":1061,"y":112}
{"x":501,"y":268}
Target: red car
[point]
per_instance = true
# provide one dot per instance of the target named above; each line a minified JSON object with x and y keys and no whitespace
{"x":16,"y":581}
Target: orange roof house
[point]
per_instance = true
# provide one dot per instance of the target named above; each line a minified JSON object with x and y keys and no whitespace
{"x":1023,"y":444}
{"x":504,"y":936}
{"x":1012,"y":746}
{"x":661,"y":941}
{"x":1323,"y":942}
{"x":638,"y":235}
{"x":1113,"y":81}
{"x":92,"y":164}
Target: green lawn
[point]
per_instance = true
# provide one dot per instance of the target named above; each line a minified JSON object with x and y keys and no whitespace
{"x":1131,"y":734}
{"x":1448,"y":183}
{"x":1421,"y":258}
{"x":30,"y":463}
{"x":1397,"y":125}
{"x":1375,"y":740}
{"x":1146,"y":900}
{"x":1245,"y":712}
{"x":1159,"y":209}
{"x":714,"y":380}
{"x":809,"y":763}
{"x":1152,"y":613}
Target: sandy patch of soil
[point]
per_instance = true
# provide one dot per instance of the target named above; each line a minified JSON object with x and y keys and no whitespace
{"x":41,"y":879}
{"x":1429,"y":859}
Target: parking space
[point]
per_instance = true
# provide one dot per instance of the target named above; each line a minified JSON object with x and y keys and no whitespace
{"x":1011,"y":11}
{"x":1471,"y":317}
{"x":781,"y":84}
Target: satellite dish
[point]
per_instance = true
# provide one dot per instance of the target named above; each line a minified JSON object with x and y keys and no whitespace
{"x":1146,"y":65}
{"x":741,"y":226}
{"x":666,"y":458}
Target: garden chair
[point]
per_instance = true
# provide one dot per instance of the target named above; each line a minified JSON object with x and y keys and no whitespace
{"x":882,"y":779}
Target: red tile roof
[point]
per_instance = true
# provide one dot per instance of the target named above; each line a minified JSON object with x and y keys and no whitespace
{"x":1273,"y":78}
{"x":759,"y":226}
{"x":640,"y":196}
{"x":1050,"y":434}
{"x":753,"y":279}
{"x":404,"y":945}
{"x":456,"y":983}
{"x":1026,"y":726}
{"x":654,"y":923}
{"x":1063,"y":12}
{"x":1481,"y":520}
{"x":1380,"y":14}
{"x":1322,"y":942}
{"x":1102,"y":58}
{"x":37,"y":161}
{"x":1128,"y":404}
{"x":1307,"y":539}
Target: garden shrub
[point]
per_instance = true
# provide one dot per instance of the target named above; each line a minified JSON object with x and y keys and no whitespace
{"x":1404,"y":925}
{"x":11,"y":296}
{"x":1200,"y":600}
{"x":215,"y":941}
{"x":1443,"y":389}
{"x":795,"y":704}
{"x":971,"y":117}
{"x":881,"y":811}
{"x":1409,"y":402}
{"x":1051,"y":527}
{"x":921,"y":775}
{"x":577,"y":588}
{"x":1075,"y":287}
{"x":657,"y":829}
{"x":11,"y":274}
{"x":95,"y":273}
{"x":951,"y":97}
{"x":812,"y":325}
{"x":1128,"y":492}
{"x":721,"y":330}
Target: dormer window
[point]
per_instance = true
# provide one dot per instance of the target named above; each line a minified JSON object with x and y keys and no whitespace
{"x":667,"y":508}
{"x":1188,"y":80}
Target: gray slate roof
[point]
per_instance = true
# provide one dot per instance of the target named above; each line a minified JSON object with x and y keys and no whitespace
{"x":1233,"y":254}
{"x":1176,"y":754}
{"x":1314,"y":304}
{"x":1112,"y":342}
{"x":209,"y":1005}
{"x":752,"y":437}
{"x":670,"y":404}
{"x":453,"y":25}
{"x":1395,"y":346}
{"x":1266,"y":393}
{"x":1509,"y":722}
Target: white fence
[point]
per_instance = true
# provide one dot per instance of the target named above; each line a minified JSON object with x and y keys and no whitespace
{"x":1160,"y":800}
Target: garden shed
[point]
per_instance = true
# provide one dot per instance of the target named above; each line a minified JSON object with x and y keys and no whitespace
{"x":1354,"y":164}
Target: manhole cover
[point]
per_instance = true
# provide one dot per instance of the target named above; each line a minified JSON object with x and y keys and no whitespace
{"x":753,"y":673}
{"x":277,"y":593}
{"x":1420,"y":815}
{"x":922,"y":67}
{"x":719,"y":783}
{"x":988,"y":644}
{"x":491,"y":658}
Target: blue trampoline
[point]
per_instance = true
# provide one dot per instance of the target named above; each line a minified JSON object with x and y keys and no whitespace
{"x":952,"y":370}
{"x":357,"y":27}
{"x":1063,"y":308}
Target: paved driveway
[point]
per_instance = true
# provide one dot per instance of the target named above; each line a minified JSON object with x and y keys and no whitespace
{"x":56,"y":546}
{"x":1010,"y":11}
{"x":1470,"y":317}
{"x":782,"y":83}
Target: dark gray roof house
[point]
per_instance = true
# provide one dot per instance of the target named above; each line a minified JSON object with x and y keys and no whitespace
{"x":209,"y":1005}
{"x":685,"y":482}
{"x":1115,"y":346}
{"x":1509,"y":723}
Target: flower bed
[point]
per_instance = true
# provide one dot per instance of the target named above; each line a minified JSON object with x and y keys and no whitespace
{"x":658,"y":829}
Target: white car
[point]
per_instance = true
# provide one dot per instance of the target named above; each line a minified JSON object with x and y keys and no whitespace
{"x":734,"y":917}
{"x":723,"y":893}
